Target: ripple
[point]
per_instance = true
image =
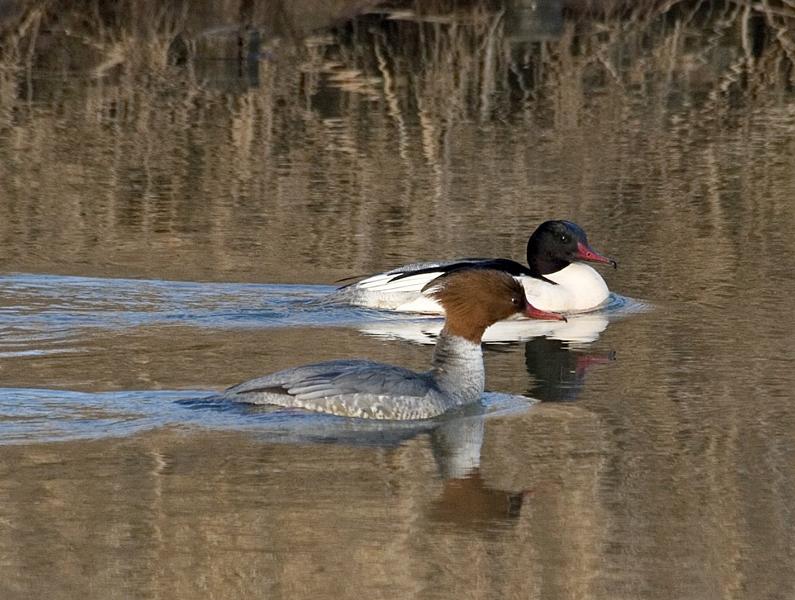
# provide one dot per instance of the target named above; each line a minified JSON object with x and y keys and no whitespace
{"x":42,"y":415}
{"x":49,"y":314}
{"x":618,"y":305}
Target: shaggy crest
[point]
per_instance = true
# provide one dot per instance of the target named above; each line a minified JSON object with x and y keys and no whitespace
{"x":475,"y":298}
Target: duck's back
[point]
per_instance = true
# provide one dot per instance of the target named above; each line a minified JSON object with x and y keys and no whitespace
{"x":350,"y":388}
{"x":576,"y":288}
{"x":401,"y":289}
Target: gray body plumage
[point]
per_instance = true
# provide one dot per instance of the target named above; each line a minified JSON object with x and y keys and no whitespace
{"x":367,"y":389}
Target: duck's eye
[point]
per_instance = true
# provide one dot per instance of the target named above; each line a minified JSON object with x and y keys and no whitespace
{"x":564,"y":238}
{"x":516,"y":301}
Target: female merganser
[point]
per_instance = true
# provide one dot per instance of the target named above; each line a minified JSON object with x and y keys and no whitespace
{"x":472,"y":300}
{"x":552,"y":280}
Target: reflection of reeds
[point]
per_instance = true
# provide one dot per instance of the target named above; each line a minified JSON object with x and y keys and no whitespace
{"x":289,"y":141}
{"x":435,"y":67}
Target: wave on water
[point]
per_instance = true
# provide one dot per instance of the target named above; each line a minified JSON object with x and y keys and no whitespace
{"x":44,"y":314}
{"x":42,"y":415}
{"x":52,"y":304}
{"x":58,"y":304}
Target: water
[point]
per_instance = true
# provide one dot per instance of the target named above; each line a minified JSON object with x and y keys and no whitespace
{"x":178,"y":195}
{"x":64,"y":320}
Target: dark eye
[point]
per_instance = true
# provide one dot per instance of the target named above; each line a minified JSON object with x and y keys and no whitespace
{"x":516,"y":301}
{"x":564,"y":238}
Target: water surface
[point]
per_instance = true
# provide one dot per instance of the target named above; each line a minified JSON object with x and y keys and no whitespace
{"x":181,"y":187}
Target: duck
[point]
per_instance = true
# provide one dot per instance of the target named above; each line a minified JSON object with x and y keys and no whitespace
{"x":555,"y":278}
{"x":472,"y":298}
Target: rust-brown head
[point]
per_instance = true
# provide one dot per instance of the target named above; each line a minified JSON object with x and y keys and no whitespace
{"x":475,"y":298}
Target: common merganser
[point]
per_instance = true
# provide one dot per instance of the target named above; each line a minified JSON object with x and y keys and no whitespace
{"x":472,"y":300}
{"x":553,"y":279}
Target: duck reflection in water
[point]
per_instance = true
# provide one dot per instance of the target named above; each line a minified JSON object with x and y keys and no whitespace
{"x":466,"y":499}
{"x":559,"y":372}
{"x":580,"y":329}
{"x":470,"y":495}
{"x":558,"y":369}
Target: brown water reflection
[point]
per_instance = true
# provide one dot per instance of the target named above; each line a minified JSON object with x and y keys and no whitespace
{"x":322,"y":140}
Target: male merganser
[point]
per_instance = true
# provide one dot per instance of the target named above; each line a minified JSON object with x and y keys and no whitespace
{"x":472,"y":300}
{"x":553,"y":280}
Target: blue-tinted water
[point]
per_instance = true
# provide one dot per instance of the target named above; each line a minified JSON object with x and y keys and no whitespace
{"x":45,"y":315}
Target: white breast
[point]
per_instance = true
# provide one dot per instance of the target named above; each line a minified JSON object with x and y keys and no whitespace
{"x":579,"y":288}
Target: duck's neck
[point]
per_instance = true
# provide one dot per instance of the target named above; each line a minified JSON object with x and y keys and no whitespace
{"x":457,"y":368}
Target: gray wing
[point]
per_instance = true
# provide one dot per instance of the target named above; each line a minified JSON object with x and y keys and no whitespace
{"x":354,"y":388}
{"x":287,"y":377}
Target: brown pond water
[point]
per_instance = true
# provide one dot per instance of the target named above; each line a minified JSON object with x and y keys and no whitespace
{"x":179,"y":184}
